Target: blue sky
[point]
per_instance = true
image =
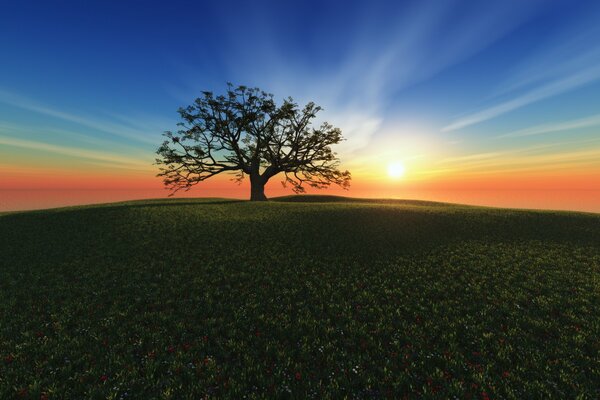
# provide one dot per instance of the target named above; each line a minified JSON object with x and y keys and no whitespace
{"x":431,"y":83}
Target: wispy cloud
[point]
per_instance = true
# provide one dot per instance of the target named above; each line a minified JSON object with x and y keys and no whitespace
{"x":540,"y":162}
{"x":484,"y":157}
{"x":569,"y":58}
{"x":552,"y":89}
{"x":556,"y":127}
{"x":566,"y":50}
{"x":408,"y":57}
{"x":544,"y":156}
{"x":25,"y":103}
{"x":473,"y":157}
{"x":114,"y":160}
{"x":73,"y":137}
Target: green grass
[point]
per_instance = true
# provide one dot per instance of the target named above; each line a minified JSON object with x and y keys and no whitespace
{"x":299,"y":298}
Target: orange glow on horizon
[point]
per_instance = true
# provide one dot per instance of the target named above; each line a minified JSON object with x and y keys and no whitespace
{"x":43,"y":188}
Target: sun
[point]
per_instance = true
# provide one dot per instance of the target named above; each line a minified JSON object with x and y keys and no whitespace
{"x":396,"y":170}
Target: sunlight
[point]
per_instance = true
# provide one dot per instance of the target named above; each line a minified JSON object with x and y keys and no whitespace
{"x":396,"y":170}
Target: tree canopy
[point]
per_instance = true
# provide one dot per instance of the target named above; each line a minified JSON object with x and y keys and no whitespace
{"x":245,"y":133}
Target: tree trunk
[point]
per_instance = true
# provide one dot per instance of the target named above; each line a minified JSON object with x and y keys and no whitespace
{"x":257,"y":188}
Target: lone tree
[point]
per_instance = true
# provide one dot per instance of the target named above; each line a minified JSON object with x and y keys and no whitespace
{"x":245,"y":133}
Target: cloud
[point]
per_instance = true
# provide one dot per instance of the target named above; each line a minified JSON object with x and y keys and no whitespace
{"x":107,"y":127}
{"x":539,"y":162}
{"x":70,"y":136}
{"x":552,"y":89}
{"x":567,"y":59}
{"x":544,"y":156}
{"x":555,"y":127}
{"x":115,"y":161}
{"x":566,"y":50}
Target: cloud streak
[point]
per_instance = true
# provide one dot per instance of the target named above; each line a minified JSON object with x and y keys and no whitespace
{"x":113,"y":160}
{"x":546,"y":157}
{"x":106,"y":127}
{"x":557,"y":127}
{"x":552,"y":89}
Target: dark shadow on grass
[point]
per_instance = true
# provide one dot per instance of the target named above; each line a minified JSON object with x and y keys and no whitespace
{"x":119,"y":205}
{"x":164,"y":203}
{"x":315,"y":198}
{"x":122,"y":206}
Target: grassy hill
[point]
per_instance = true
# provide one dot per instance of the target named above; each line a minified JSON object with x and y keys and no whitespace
{"x":300,"y":297}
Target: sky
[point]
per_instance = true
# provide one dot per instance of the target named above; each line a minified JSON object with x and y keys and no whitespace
{"x":494,"y":103}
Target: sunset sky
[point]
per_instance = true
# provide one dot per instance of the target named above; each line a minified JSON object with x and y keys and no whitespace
{"x":479,"y":102}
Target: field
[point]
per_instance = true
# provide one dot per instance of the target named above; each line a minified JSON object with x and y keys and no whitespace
{"x":301,"y":297}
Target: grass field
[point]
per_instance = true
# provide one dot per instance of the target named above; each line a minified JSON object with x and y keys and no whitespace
{"x":312,"y":297}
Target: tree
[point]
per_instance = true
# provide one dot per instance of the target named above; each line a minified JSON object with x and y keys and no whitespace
{"x":245,"y":133}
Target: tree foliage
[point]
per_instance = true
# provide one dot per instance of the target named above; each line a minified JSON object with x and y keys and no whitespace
{"x":245,"y":133}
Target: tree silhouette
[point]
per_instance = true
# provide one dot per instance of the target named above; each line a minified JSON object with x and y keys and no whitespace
{"x":245,"y":133}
